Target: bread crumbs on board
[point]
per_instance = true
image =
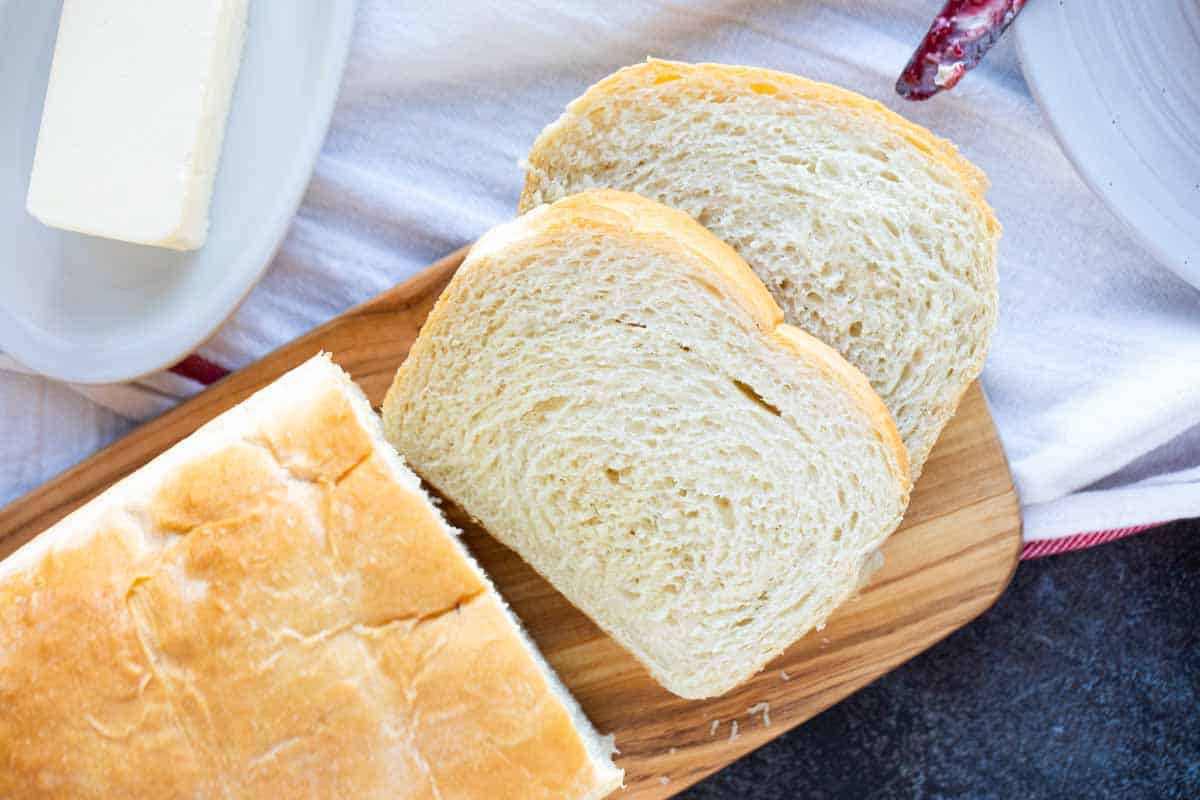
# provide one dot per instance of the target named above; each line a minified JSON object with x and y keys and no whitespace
{"x":712,"y":729}
{"x":733,"y":733}
{"x":765,"y":709}
{"x":784,"y":675}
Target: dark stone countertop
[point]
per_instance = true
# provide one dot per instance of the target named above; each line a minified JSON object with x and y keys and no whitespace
{"x":1082,"y":681}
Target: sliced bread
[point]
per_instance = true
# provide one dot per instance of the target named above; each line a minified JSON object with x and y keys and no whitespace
{"x":611,"y":392}
{"x":870,"y":232}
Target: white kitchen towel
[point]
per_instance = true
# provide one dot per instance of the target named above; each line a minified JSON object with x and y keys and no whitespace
{"x":1094,"y":373}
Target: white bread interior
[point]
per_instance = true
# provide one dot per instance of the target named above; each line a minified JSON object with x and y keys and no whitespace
{"x":611,"y":392}
{"x":274,"y":608}
{"x":870,"y":232}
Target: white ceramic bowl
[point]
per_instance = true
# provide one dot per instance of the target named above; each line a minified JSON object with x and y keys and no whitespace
{"x":1120,"y":83}
{"x":91,"y":310}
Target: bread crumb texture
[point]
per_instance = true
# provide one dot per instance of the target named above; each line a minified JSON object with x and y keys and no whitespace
{"x":278,"y":618}
{"x":870,"y":232}
{"x":609,"y":390}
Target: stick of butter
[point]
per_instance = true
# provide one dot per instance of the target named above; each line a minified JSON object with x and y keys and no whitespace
{"x":134,"y":117}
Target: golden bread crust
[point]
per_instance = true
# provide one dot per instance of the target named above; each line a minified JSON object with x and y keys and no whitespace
{"x":280,"y":617}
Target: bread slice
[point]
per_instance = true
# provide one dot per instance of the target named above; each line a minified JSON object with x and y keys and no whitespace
{"x":870,"y":232}
{"x":274,"y":609}
{"x":609,"y":390}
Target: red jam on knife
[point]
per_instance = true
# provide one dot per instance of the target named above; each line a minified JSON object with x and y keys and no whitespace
{"x":957,"y":40}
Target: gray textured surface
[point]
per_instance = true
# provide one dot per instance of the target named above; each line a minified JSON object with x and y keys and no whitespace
{"x":1082,"y":681}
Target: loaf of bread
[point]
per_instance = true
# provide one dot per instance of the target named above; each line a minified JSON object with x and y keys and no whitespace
{"x":609,"y":390}
{"x":274,"y":609}
{"x":871,"y":233}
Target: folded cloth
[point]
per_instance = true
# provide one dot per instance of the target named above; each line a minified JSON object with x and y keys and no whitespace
{"x":1093,"y":371}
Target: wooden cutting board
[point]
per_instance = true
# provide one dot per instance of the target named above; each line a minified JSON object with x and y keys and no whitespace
{"x":949,"y":562}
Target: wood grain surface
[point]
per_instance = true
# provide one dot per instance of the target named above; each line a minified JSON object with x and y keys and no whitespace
{"x":948,"y":563}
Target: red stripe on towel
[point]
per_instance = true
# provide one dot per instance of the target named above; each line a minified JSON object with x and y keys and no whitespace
{"x":199,"y":369}
{"x":1050,"y":547}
